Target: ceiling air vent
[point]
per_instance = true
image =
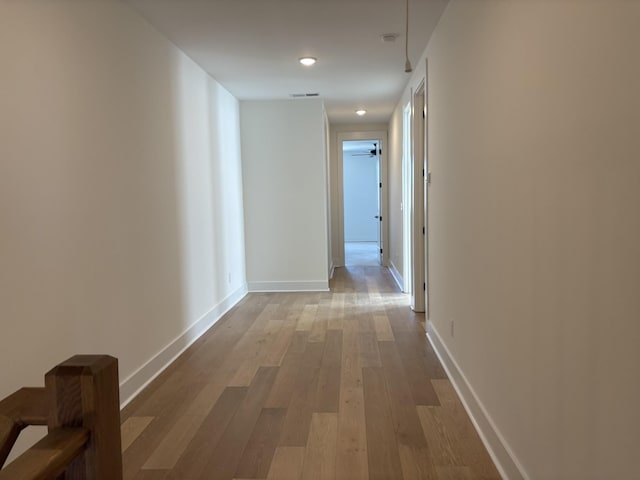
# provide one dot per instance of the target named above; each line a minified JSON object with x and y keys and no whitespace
{"x":303,"y":95}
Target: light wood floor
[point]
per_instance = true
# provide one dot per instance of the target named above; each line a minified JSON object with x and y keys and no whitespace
{"x":361,"y":253}
{"x":336,"y":385}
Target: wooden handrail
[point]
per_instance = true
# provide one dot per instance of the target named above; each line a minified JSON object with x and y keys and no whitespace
{"x":27,"y":406}
{"x":49,"y":457}
{"x":80,"y":406}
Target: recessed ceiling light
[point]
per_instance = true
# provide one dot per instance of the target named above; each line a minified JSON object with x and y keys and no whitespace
{"x":307,"y":61}
{"x":361,"y":112}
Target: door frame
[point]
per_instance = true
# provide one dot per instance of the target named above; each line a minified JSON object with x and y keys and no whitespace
{"x":381,"y":136}
{"x":419,"y":224}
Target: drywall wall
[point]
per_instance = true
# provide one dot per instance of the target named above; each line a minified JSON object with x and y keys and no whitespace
{"x":329,"y":173}
{"x":285,"y":194}
{"x":395,"y":193}
{"x":360,"y":187}
{"x":120,"y":192}
{"x":534,"y":114}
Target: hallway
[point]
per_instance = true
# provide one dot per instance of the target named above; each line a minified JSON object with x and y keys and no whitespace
{"x":335,"y":385}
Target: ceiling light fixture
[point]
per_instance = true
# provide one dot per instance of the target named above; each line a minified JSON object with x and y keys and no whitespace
{"x":407,"y":63}
{"x":308,"y":61}
{"x":361,"y":112}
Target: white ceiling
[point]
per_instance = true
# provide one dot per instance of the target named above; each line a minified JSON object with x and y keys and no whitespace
{"x":252,"y":47}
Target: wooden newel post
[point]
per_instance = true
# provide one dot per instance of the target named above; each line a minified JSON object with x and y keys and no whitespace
{"x":84,"y":392}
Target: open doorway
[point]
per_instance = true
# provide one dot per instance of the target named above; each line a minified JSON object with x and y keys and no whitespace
{"x":361,"y":202}
{"x":365,"y":145}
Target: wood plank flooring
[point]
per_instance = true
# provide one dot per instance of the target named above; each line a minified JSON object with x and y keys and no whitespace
{"x":296,"y":386}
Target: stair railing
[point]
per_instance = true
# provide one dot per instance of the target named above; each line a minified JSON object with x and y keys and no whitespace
{"x":80,"y":406}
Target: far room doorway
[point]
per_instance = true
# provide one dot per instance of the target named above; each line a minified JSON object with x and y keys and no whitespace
{"x":361,"y":194}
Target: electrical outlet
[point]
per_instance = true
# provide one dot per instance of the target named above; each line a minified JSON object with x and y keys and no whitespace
{"x":451,"y":328}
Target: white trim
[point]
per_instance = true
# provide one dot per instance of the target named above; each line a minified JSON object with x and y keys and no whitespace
{"x":138,"y":380}
{"x":396,"y":275}
{"x":332,"y":270}
{"x":500,"y":452}
{"x":301,"y":286}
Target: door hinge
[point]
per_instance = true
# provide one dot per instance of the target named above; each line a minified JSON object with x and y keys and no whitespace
{"x":423,"y":172}
{"x":380,"y":217}
{"x":423,"y":231}
{"x":424,"y":287}
{"x":380,"y":250}
{"x":380,"y":184}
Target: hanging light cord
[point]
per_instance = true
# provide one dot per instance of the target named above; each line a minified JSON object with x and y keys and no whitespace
{"x":407,"y":64}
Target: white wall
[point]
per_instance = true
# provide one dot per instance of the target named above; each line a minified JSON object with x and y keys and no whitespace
{"x":360,"y":179}
{"x":285,"y":194}
{"x":120,"y":192}
{"x":330,"y":174}
{"x":395,"y":191}
{"x":534,"y":225}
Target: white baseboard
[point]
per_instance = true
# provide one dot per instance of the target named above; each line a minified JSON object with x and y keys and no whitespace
{"x":501,"y":454}
{"x":132,"y":385}
{"x":302,"y":286}
{"x":396,"y":275}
